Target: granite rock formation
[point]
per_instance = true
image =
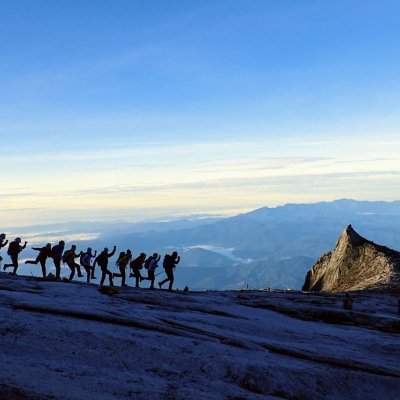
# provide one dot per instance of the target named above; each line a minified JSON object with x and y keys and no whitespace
{"x":355,"y":264}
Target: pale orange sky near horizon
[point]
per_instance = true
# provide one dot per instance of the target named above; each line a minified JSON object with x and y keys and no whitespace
{"x":140,"y":110}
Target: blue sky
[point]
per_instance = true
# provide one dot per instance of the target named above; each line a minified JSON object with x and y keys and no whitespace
{"x":140,"y":109}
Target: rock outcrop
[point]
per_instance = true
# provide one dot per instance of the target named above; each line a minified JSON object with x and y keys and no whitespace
{"x":355,"y":264}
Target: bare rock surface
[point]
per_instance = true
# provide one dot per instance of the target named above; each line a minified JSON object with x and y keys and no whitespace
{"x":355,"y":264}
{"x":71,"y":341}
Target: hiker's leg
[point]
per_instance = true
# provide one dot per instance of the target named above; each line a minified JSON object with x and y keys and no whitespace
{"x":43,"y":265}
{"x":110,"y":277}
{"x":87,"y":269}
{"x":57,"y":264}
{"x":103,"y":276}
{"x":72,"y":274}
{"x":32,"y":261}
{"x":171,"y":279}
{"x":151,"y":277}
{"x":14,"y":259}
{"x":123,"y":275}
{"x":78,"y":267}
{"x":137,"y":277}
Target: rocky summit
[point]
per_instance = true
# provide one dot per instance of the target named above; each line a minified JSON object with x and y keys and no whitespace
{"x":355,"y":264}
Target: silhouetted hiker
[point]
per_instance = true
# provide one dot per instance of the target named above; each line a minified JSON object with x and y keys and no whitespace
{"x":56,"y":253}
{"x":153,"y":264}
{"x":347,"y":302}
{"x":85,"y":260}
{"x":136,"y":265}
{"x":44,"y":253}
{"x":69,"y":259}
{"x":121,"y":257}
{"x":2,"y":243}
{"x":122,"y":262}
{"x":169,"y":262}
{"x":14,"y":248}
{"x":102,"y":261}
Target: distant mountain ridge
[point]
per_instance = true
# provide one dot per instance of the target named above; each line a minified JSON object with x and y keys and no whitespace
{"x":355,"y":264}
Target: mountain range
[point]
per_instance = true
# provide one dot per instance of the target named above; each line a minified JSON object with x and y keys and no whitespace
{"x":267,"y":247}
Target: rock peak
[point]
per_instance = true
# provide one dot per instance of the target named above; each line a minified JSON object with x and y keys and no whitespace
{"x":350,"y":236}
{"x":356,"y":263}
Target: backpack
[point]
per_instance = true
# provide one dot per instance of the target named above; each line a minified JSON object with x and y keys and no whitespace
{"x":147,"y":262}
{"x":166,"y":261}
{"x":136,"y":264}
{"x":13,"y":249}
{"x":66,"y":256}
{"x":54,"y":251}
{"x":120,"y":257}
{"x":85,"y":259}
{"x":102,"y":259}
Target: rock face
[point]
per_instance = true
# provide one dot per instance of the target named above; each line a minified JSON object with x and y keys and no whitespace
{"x":71,"y":341}
{"x":355,"y":264}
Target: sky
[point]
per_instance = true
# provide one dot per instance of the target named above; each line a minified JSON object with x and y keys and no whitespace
{"x":124,"y":109}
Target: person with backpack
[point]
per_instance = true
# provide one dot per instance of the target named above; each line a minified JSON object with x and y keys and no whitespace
{"x":2,"y":243}
{"x":136,"y":265}
{"x":102,"y":261}
{"x":69,"y":259}
{"x":85,"y":261}
{"x":153,"y":264}
{"x":122,"y":262}
{"x":14,"y":248}
{"x":57,"y":253}
{"x":169,"y":263}
{"x":44,"y":253}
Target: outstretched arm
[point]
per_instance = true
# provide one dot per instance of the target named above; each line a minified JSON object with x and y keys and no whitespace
{"x":4,"y":244}
{"x":80,"y":254}
{"x":112,"y":253}
{"x":36,"y":248}
{"x":22,"y":247}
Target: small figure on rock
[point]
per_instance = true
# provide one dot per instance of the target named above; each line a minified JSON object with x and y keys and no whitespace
{"x":136,"y":265}
{"x":122,"y":262}
{"x":3,"y":242}
{"x":347,"y":302}
{"x":102,"y":261}
{"x":69,"y":259}
{"x":57,"y":253}
{"x":85,"y":261}
{"x":169,"y":263}
{"x":153,"y":264}
{"x":14,"y":248}
{"x":44,"y":253}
